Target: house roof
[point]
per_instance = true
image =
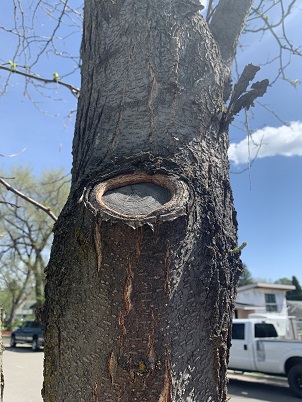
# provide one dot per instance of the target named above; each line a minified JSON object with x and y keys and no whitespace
{"x":272,"y":286}
{"x":245,"y":306}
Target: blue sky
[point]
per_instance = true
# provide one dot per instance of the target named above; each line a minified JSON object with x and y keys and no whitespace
{"x":268,"y":196}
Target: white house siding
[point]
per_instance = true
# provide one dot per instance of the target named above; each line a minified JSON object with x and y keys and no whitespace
{"x":256,"y":298}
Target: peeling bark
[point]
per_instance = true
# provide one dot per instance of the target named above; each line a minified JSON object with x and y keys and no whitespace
{"x":139,"y":304}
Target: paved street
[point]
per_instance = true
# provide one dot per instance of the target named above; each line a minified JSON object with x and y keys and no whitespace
{"x":23,"y":371}
{"x":259,"y":388}
{"x":23,"y":374}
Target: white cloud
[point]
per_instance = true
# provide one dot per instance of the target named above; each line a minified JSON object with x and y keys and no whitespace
{"x":269,"y":141}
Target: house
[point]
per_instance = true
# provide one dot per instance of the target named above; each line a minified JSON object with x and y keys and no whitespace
{"x":25,"y":309}
{"x":262,"y":299}
{"x":266,"y":300}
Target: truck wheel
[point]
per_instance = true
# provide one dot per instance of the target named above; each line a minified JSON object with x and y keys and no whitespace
{"x":35,"y":344}
{"x":295,"y":380}
{"x":12,"y":341}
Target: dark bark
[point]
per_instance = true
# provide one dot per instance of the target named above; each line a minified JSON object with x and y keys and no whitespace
{"x":139,"y":304}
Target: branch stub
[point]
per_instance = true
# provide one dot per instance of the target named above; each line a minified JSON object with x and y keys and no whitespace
{"x":140,"y":198}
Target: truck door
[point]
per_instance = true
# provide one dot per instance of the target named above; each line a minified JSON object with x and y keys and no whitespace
{"x":267,"y":353}
{"x":241,"y":353}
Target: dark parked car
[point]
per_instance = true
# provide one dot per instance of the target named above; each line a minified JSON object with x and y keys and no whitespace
{"x":31,"y":332}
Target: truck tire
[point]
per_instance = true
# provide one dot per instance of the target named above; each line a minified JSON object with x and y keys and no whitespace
{"x":295,"y":380}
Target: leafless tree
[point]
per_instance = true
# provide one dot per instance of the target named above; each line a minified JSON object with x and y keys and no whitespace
{"x":27,"y":231}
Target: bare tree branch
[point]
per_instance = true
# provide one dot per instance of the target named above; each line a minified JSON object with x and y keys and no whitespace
{"x":10,"y":204}
{"x":33,"y":202}
{"x":74,"y":90}
{"x":13,"y":155}
{"x":270,"y":17}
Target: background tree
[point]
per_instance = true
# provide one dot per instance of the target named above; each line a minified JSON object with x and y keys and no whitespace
{"x":245,"y":277}
{"x":27,"y":232}
{"x":13,"y":293}
{"x":283,"y":281}
{"x":295,"y":294}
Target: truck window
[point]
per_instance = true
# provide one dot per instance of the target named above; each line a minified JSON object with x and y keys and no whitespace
{"x":238,"y":331}
{"x":265,"y":330}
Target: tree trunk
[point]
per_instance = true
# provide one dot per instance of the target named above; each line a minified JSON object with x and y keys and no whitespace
{"x":12,"y":313}
{"x":38,"y":274}
{"x":141,"y":282}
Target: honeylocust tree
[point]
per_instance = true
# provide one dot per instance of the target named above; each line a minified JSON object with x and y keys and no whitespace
{"x":142,"y":277}
{"x":144,"y":265}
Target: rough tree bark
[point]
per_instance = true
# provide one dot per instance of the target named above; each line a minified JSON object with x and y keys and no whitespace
{"x":141,"y":281}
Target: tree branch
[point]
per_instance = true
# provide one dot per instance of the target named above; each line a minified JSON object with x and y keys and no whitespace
{"x":74,"y":90}
{"x":33,"y":202}
{"x":9,"y":203}
{"x":227,"y":24}
{"x":242,"y":98}
{"x":13,"y":155}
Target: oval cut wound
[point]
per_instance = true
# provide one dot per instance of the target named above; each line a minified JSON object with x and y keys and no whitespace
{"x":136,"y":199}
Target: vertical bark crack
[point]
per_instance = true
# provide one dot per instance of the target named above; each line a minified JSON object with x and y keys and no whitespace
{"x":152,"y":96}
{"x":138,"y":243}
{"x":112,"y":366}
{"x":95,"y":397}
{"x":98,"y":246}
{"x":165,"y":395}
{"x":167,"y":265}
{"x":123,"y":328}
{"x":128,"y":288}
{"x":151,"y":352}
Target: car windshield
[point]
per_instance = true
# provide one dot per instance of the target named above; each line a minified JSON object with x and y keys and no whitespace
{"x":33,"y":324}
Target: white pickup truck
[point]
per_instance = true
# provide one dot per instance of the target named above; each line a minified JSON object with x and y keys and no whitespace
{"x":257,"y":347}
